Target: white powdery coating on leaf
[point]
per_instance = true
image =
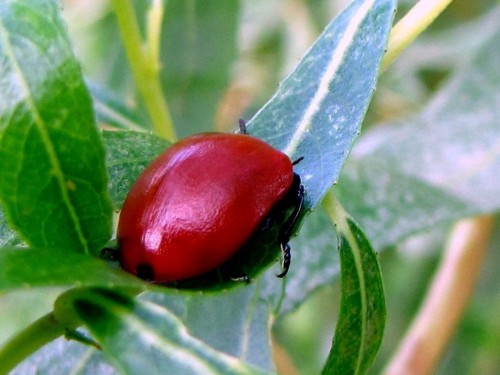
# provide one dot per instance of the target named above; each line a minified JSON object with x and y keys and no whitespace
{"x":330,"y":72}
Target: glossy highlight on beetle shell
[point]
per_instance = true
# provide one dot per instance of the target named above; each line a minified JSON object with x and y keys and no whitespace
{"x":198,"y":203}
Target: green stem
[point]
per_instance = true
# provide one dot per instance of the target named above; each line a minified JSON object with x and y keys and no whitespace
{"x":63,"y":320}
{"x":411,"y":26}
{"x":144,"y":62}
{"x":29,"y":340}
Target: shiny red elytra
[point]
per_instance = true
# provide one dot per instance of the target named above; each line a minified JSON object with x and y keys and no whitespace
{"x":200,"y":201}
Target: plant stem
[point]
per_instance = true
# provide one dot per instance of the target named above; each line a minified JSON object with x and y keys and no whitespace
{"x":411,"y":26}
{"x":446,"y":300}
{"x":144,"y":62}
{"x":29,"y":340}
{"x":153,"y":33}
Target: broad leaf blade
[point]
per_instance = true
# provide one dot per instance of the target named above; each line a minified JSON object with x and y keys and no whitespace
{"x":54,"y":184}
{"x":318,"y":109}
{"x":361,"y":322}
{"x":160,"y":340}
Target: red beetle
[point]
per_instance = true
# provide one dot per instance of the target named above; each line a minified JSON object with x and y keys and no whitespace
{"x":200,"y":201}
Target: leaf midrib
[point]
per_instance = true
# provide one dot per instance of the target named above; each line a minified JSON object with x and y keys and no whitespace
{"x":328,"y":76}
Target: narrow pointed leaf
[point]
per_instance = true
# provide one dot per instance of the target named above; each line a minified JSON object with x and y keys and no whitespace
{"x":361,"y":322}
{"x":317,"y":111}
{"x":53,"y":184}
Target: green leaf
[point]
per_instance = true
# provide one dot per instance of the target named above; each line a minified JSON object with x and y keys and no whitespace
{"x":361,"y":322}
{"x":436,"y":167}
{"x":198,"y":52}
{"x":160,"y":340}
{"x":128,"y":153}
{"x":236,"y":323}
{"x":58,"y":269}
{"x":317,"y":111}
{"x":54,"y":185}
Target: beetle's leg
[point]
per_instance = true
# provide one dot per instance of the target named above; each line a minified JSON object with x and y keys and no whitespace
{"x":291,"y":222}
{"x":289,"y":226}
{"x":287,"y":259}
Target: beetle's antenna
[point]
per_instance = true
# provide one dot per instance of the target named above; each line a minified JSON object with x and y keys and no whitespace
{"x":243,"y":126}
